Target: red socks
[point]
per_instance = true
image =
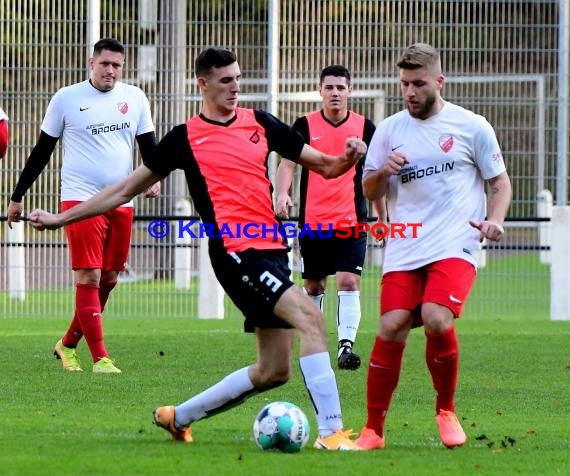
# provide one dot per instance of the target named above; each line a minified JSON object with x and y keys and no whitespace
{"x":88,"y":312}
{"x":73,"y":334}
{"x":104,"y":291}
{"x":442,"y":358}
{"x":383,"y":376}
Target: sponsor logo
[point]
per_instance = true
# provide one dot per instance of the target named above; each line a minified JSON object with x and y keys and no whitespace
{"x":452,"y":298}
{"x":102,"y":128}
{"x":397,"y":147}
{"x":202,"y":140}
{"x":442,"y":361}
{"x":408,"y":174}
{"x":316,"y":137}
{"x":376,"y":366}
{"x":84,"y":108}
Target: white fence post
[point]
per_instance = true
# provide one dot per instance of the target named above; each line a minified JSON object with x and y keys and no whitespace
{"x":544,"y":210}
{"x":16,"y":262}
{"x":182,"y":250}
{"x":560,"y":266}
{"x":211,"y":293}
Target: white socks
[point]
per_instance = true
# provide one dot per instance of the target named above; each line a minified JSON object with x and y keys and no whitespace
{"x":348,"y":315}
{"x":321,"y":384}
{"x":228,"y":392}
{"x":318,"y":300}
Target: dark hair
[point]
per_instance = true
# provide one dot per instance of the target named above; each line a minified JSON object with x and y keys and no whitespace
{"x":420,"y":55}
{"x":110,"y":44}
{"x":335,"y":70}
{"x":212,"y":58}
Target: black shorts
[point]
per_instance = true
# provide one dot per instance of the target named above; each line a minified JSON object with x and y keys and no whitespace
{"x":323,"y":257}
{"x":255,"y":280}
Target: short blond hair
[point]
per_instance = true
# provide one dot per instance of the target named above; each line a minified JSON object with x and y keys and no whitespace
{"x":420,"y":55}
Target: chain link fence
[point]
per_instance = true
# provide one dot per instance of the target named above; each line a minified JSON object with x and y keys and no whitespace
{"x":501,"y":60}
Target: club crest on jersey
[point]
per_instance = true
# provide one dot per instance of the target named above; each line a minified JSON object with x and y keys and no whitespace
{"x":255,"y":137}
{"x":446,"y":142}
{"x":123,"y":107}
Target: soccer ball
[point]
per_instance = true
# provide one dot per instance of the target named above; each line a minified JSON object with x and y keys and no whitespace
{"x":282,"y":426}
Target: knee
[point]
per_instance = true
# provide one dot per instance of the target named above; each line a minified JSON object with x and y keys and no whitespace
{"x":436,"y":318}
{"x":314,"y":287}
{"x":89,"y":277}
{"x":107,"y":285}
{"x":348,"y":282}
{"x":109,"y":278}
{"x":395,"y":326}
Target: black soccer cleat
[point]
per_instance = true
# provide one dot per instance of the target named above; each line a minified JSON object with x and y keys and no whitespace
{"x":347,"y":360}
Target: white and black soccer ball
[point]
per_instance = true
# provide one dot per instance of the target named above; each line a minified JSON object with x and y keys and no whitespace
{"x":282,"y":426}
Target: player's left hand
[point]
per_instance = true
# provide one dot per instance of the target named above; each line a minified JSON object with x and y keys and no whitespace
{"x":284,"y":202}
{"x":489,"y":229}
{"x":355,"y":149}
{"x":42,"y":220}
{"x":153,"y":191}
{"x":381,"y":242}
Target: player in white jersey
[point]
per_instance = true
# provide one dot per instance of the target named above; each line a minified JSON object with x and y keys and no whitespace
{"x":99,"y":121}
{"x":4,"y":133}
{"x":431,"y":161}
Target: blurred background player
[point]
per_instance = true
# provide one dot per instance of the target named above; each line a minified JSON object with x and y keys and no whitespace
{"x":431,"y":161}
{"x":4,"y":133}
{"x":99,"y":120}
{"x":223,"y":152}
{"x":324,"y":203}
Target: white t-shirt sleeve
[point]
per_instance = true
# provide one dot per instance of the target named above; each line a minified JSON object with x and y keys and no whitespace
{"x":377,"y":150}
{"x":53,"y":122}
{"x":145,"y":124}
{"x":3,"y":115}
{"x":487,"y":152}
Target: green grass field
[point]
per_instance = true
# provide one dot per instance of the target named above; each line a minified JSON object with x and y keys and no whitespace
{"x":512,"y":398}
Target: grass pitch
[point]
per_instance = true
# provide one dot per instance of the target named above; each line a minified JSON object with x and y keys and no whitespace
{"x":512,"y":400}
{"x":512,"y":397}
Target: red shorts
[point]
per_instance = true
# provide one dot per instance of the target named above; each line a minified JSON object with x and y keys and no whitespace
{"x":4,"y":137}
{"x":446,"y":282}
{"x":100,"y":242}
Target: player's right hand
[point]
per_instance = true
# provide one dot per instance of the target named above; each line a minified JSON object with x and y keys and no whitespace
{"x":42,"y":220}
{"x":283,"y":204}
{"x":14,"y":212}
{"x":395,"y":163}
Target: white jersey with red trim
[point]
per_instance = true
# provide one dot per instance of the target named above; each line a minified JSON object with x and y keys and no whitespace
{"x":98,"y":130}
{"x":451,"y":155}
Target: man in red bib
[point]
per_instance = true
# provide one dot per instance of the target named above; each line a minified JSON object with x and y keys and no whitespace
{"x":324,"y":204}
{"x":223,"y":152}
